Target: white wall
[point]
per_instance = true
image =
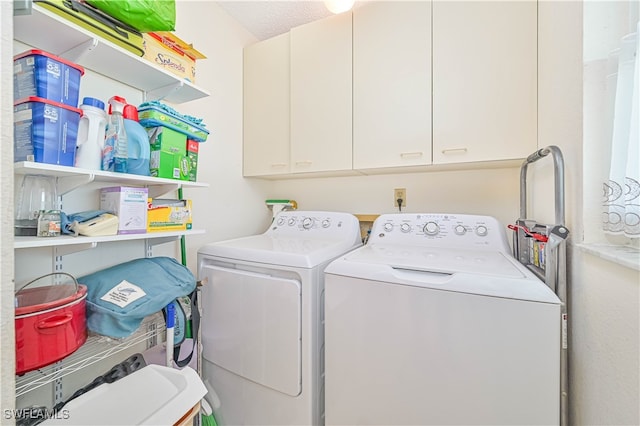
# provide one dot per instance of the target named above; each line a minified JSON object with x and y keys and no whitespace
{"x":605,"y":362}
{"x":491,"y":192}
{"x":231,"y":206}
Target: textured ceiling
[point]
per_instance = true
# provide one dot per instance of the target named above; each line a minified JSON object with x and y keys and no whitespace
{"x":267,"y":18}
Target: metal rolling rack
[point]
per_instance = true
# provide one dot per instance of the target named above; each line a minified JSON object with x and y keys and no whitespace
{"x":542,"y":249}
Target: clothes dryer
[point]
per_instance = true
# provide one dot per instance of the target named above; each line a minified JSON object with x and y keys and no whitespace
{"x":434,"y":322}
{"x":262,"y":318}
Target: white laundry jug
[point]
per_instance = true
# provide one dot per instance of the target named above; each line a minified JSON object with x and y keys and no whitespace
{"x":91,"y":133}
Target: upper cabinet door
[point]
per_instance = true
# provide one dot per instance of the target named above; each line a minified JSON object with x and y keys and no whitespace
{"x":392,"y":84}
{"x":484,"y":80}
{"x":321,"y":95}
{"x":266,"y":107}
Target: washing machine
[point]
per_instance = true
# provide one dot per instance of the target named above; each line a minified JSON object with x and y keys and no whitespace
{"x":262,"y":319}
{"x":434,"y":322}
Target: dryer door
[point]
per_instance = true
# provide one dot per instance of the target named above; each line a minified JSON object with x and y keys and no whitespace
{"x":252,"y":326}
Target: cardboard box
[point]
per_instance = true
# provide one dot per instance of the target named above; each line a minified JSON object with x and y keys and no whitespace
{"x":170,"y":53}
{"x":192,"y":156}
{"x":168,"y":215}
{"x":168,"y":153}
{"x":129,"y":204}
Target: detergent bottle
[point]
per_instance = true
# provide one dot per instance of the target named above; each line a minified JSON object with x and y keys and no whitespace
{"x":138,"y":148}
{"x":91,"y":134}
{"x":114,"y":154}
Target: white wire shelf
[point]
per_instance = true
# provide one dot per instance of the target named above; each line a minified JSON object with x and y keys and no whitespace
{"x":95,"y":349}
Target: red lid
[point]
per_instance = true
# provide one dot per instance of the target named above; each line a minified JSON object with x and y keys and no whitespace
{"x":48,"y":101}
{"x":130,"y":112}
{"x":49,"y":55}
{"x":117,"y":100}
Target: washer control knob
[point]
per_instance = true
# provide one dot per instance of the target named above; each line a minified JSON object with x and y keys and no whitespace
{"x":482,"y":230}
{"x":460,"y":230}
{"x":326,"y":223}
{"x":292,"y":221}
{"x":431,"y":228}
{"x":281,"y":221}
{"x":307,"y":223}
{"x":405,"y":227}
{"x":388,"y":227}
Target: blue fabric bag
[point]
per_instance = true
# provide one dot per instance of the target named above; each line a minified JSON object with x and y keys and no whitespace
{"x":120,"y":297}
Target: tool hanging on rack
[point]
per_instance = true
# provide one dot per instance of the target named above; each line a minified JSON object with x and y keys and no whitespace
{"x":542,"y":249}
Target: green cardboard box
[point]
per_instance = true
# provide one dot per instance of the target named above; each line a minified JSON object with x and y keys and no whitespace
{"x":168,"y":153}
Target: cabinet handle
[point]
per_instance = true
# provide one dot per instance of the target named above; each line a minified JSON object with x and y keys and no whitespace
{"x":411,"y":154}
{"x":304,"y":163}
{"x":454,"y":151}
{"x":279,"y":165}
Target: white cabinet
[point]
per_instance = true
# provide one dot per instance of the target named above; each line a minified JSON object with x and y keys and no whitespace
{"x":396,"y":87}
{"x":321,"y":126}
{"x":266,"y":107}
{"x":484,"y":80}
{"x":392,"y":85}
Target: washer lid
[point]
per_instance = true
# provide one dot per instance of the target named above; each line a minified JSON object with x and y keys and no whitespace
{"x":486,"y":273}
{"x":277,"y":250}
{"x":439,"y":259}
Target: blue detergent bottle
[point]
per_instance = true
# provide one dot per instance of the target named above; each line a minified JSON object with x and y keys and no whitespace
{"x":138,"y":148}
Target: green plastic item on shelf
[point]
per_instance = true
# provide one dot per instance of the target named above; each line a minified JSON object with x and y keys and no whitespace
{"x":143,"y":15}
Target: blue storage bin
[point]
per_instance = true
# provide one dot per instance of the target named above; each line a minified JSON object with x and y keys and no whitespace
{"x":41,"y":74}
{"x":45,"y":131}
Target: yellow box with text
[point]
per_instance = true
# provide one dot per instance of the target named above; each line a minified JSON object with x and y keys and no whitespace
{"x":168,"y":215}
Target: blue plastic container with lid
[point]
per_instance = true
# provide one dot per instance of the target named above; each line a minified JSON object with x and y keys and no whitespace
{"x":39,"y":73}
{"x":45,"y":131}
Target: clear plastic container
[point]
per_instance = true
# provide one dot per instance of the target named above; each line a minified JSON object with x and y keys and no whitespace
{"x":34,"y":194}
{"x":114,"y":154}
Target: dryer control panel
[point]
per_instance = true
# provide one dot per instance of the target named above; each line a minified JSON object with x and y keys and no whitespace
{"x":314,"y":224}
{"x":440,"y":230}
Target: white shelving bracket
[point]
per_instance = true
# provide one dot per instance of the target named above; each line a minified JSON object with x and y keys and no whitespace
{"x":75,"y":54}
{"x":69,"y":183}
{"x":75,"y":248}
{"x":162,"y":92}
{"x":156,"y":191}
{"x":157,"y":241}
{"x":150,"y":243}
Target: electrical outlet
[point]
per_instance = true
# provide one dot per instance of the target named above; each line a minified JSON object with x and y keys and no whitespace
{"x":400,"y":194}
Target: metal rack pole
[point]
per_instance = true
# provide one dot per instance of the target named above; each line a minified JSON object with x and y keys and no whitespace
{"x":555,"y":274}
